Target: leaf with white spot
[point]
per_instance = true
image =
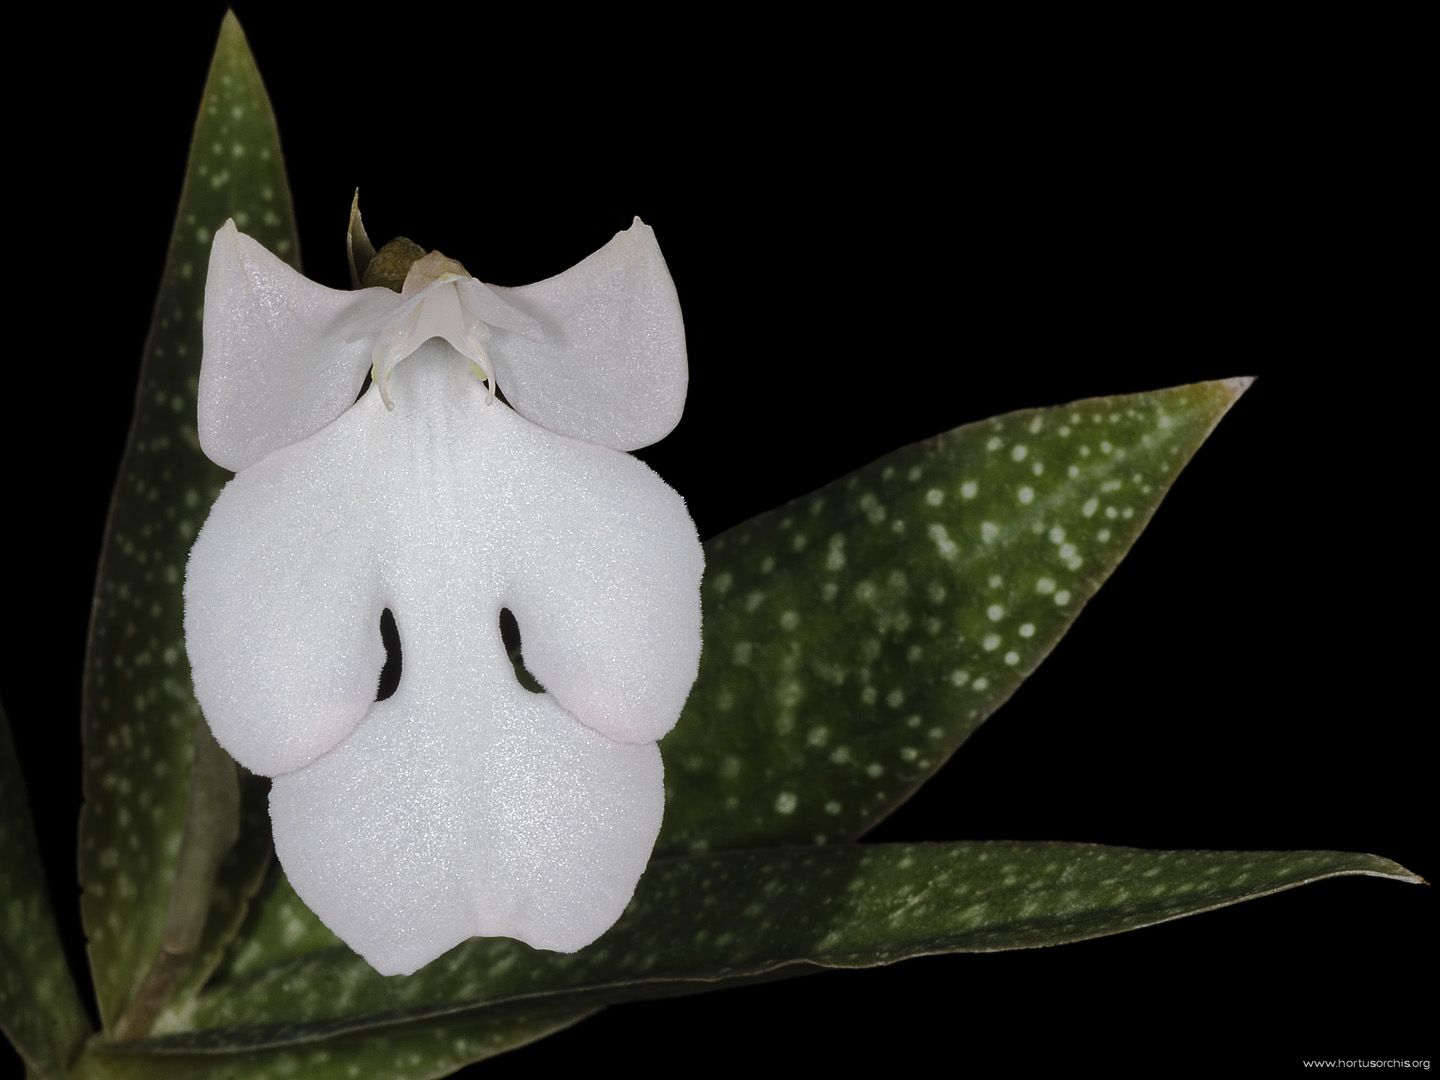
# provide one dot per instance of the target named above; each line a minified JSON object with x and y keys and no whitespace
{"x":854,"y":638}
{"x":40,"y":1010}
{"x":279,"y":927}
{"x":139,"y":715}
{"x":415,"y":1051}
{"x":698,"y":922}
{"x":237,"y":880}
{"x":845,"y":658}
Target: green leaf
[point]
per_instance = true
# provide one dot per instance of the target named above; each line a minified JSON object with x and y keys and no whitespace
{"x":212,"y":825}
{"x":854,"y":638}
{"x":40,"y":1010}
{"x":237,"y":880}
{"x":702,"y":921}
{"x":140,"y":717}
{"x":416,"y":1051}
{"x":818,"y":612}
{"x":278,"y":927}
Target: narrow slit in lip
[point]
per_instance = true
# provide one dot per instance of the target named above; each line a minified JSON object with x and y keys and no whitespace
{"x":510,"y":637}
{"x":394,"y":661}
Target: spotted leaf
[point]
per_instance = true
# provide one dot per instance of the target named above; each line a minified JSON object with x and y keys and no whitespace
{"x":854,"y":638}
{"x":140,"y":718}
{"x":236,"y":881}
{"x":278,"y":927}
{"x":845,"y":657}
{"x":40,"y":1011}
{"x":415,"y":1051}
{"x":703,"y":921}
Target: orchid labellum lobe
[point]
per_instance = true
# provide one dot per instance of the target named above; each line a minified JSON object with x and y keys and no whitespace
{"x":463,"y":804}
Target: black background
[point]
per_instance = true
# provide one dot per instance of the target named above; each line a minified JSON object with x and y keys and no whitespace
{"x":879,"y":232}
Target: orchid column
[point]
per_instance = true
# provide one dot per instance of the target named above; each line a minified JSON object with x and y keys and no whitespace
{"x":464,"y":804}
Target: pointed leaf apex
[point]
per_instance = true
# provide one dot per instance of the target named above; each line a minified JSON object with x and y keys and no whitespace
{"x":1023,"y":518}
{"x":230,"y":26}
{"x":1395,"y":872}
{"x":1239,"y":385}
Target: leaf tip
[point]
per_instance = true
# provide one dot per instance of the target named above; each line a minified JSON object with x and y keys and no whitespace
{"x":1388,"y":868}
{"x":231,"y":46}
{"x":1237,"y":386}
{"x":1217,"y":397}
{"x":230,"y":25}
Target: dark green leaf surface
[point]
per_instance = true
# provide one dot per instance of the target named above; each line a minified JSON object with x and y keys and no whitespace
{"x":278,"y":927}
{"x":139,"y":713}
{"x":846,"y":658}
{"x":239,"y":878}
{"x":854,"y":638}
{"x":416,"y":1051}
{"x":212,"y":825}
{"x":746,"y":914}
{"x":40,"y":1011}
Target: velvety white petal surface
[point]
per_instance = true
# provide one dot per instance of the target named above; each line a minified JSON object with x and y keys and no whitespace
{"x":496,"y":814}
{"x":282,"y":604}
{"x":610,"y":367}
{"x":463,"y":804}
{"x":485,"y":303}
{"x":280,"y":359}
{"x":612,"y":630}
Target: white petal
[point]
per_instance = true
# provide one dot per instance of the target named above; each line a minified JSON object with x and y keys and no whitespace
{"x":612,"y":628}
{"x":280,"y":358}
{"x":464,"y":804}
{"x":282,"y":604}
{"x":570,"y":818}
{"x":611,"y":365}
{"x":486,"y":304}
{"x":446,"y":817}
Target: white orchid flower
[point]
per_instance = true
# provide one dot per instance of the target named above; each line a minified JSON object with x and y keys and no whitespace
{"x":464,"y":804}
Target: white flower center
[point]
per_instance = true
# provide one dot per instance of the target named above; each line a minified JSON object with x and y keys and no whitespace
{"x":439,"y":307}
